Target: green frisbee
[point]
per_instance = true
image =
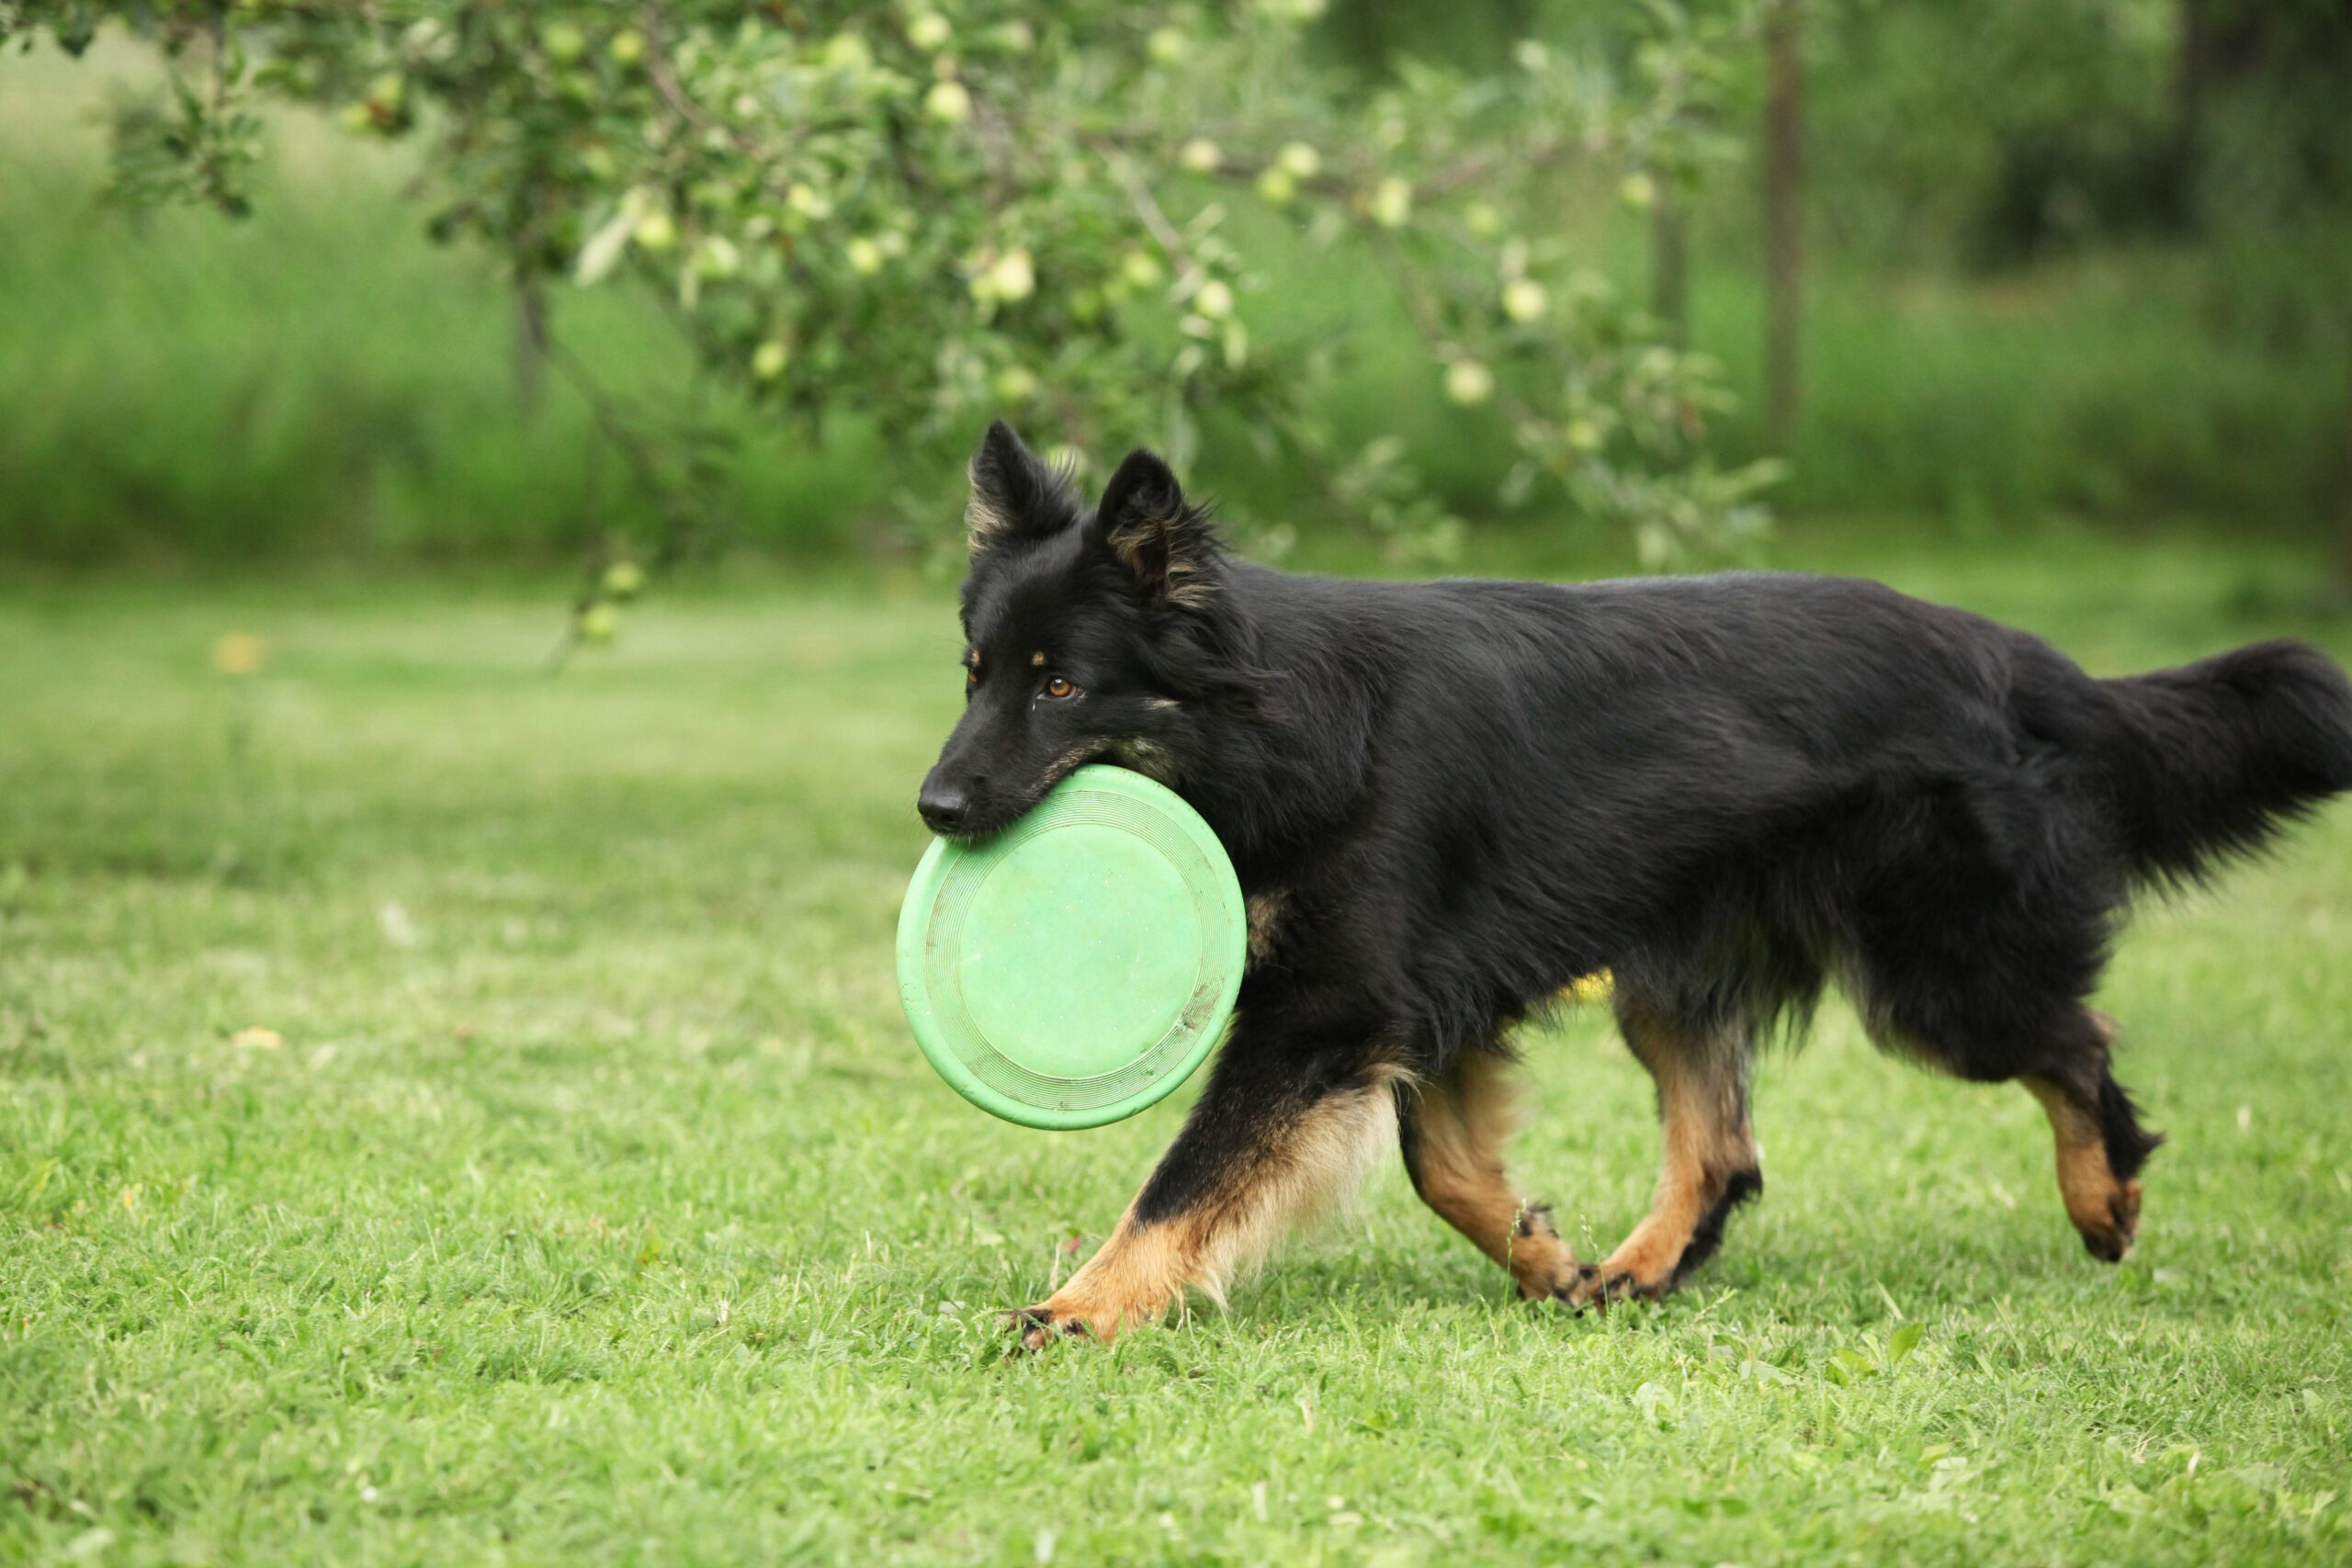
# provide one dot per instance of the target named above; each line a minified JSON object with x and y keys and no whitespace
{"x":1075,"y":967}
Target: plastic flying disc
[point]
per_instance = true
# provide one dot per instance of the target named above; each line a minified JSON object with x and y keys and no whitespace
{"x":1075,"y":967}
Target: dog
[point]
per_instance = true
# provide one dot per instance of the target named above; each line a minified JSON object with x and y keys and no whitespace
{"x":1447,"y":801}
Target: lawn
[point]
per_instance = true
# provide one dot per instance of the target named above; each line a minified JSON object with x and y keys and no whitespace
{"x":453,"y":1112}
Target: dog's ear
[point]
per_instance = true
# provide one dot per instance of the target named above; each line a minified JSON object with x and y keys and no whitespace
{"x":1165,"y":543}
{"x":1014,"y":496}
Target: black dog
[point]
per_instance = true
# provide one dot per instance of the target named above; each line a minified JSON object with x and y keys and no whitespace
{"x":1448,"y":801}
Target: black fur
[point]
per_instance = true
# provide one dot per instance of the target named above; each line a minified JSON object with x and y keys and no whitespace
{"x":1744,"y":1187}
{"x":1462,"y":795}
{"x":2128,"y":1144}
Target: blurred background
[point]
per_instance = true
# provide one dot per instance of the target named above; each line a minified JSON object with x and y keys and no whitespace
{"x":2016,"y":265}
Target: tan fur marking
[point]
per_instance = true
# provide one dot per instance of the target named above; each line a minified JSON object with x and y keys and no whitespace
{"x":1036,"y":661}
{"x":984,"y":523}
{"x":1144,"y":1270}
{"x":1187,"y":588}
{"x":1126,"y":543}
{"x":1183,"y":585}
{"x":1464,"y":1123}
{"x":1071,"y":761}
{"x":1265,"y":912}
{"x":1700,"y":1150}
{"x":1703,"y":1119}
{"x":1146,"y":757}
{"x":2107,"y":1211}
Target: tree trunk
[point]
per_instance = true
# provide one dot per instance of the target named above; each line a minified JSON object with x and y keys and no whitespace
{"x":2343,"y":594}
{"x":530,"y":344}
{"x":1783,"y":221}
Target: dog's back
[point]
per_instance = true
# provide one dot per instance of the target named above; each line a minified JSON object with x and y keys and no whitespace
{"x":1724,"y":788}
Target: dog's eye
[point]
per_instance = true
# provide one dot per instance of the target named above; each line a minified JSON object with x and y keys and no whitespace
{"x":1059,"y":686}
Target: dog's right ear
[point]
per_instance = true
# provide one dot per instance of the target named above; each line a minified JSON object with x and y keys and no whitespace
{"x":1014,"y":496}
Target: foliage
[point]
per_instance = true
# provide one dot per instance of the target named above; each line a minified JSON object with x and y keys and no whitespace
{"x":2264,"y":83}
{"x":2002,"y":131}
{"x":922,"y":216}
{"x":1988,"y":127}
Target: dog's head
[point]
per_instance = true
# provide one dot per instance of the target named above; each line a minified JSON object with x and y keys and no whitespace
{"x":1076,"y":626}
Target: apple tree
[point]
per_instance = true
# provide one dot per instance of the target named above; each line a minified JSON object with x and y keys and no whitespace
{"x":927,"y":213}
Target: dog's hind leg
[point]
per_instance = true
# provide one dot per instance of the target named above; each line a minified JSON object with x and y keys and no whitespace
{"x":1275,"y":1135}
{"x":1453,"y":1129}
{"x":2101,"y":1145}
{"x":1989,"y":990}
{"x":1711,"y":1164}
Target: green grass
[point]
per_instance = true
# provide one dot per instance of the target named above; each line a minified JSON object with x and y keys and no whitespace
{"x":592,"y":1204}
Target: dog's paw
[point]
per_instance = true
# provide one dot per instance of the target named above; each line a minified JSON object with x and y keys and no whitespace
{"x":1035,"y":1327}
{"x":1596,"y":1285}
{"x":2108,"y":1236}
{"x":1553,"y":1281}
{"x":1539,"y":1262}
{"x":1081,"y":1314}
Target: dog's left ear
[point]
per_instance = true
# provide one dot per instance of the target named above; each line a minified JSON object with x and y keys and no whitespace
{"x":1015,"y":498}
{"x":1167,"y":544}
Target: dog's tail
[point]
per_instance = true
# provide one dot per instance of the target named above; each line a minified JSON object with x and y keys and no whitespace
{"x":2209,"y":761}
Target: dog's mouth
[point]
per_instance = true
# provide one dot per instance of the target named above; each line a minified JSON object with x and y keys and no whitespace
{"x":1002,"y":815}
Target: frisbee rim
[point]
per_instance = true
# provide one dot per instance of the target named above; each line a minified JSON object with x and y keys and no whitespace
{"x":1225,"y":924}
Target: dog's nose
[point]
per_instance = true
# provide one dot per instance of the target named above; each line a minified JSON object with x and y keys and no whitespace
{"x":945,"y":807}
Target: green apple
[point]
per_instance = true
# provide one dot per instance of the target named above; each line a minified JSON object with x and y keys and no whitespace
{"x":716,"y":256}
{"x":1014,"y":276}
{"x":848,"y":51}
{"x":950,"y":102}
{"x":657,"y":230}
{"x":1141,"y":268}
{"x":564,"y":42}
{"x":1469,"y":383}
{"x":1524,"y":299}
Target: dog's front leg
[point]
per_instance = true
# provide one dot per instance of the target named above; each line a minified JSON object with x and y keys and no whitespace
{"x":1278,"y":1132}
